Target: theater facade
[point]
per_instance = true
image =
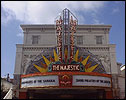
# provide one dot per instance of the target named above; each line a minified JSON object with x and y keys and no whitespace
{"x":65,"y":60}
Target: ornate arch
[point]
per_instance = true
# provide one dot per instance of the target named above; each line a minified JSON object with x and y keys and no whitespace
{"x":44,"y":61}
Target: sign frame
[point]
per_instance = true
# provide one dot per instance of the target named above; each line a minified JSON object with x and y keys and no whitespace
{"x":70,"y":74}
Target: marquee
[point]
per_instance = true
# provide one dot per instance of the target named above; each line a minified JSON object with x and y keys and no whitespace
{"x":65,"y":80}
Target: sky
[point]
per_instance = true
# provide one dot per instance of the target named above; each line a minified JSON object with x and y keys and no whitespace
{"x":15,"y":13}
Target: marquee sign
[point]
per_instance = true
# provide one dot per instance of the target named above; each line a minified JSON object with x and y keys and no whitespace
{"x":81,"y":80}
{"x":65,"y":67}
{"x":65,"y":80}
{"x":39,"y":81}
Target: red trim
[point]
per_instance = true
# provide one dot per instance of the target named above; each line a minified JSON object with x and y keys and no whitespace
{"x":109,"y":95}
{"x":68,"y":73}
{"x":22,"y":95}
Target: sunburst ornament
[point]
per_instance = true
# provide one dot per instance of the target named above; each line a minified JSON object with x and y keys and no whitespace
{"x":86,"y":65}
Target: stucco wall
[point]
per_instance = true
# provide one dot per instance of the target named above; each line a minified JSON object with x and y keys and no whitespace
{"x":121,"y":82}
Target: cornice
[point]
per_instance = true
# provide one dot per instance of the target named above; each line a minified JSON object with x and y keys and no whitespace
{"x":52,"y":26}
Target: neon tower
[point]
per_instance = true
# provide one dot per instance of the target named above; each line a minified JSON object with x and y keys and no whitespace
{"x":66,"y":24}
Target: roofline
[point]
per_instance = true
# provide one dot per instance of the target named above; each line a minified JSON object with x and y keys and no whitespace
{"x":24,"y":26}
{"x":54,"y":24}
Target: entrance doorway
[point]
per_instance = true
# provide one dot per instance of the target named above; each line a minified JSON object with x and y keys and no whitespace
{"x":66,"y":94}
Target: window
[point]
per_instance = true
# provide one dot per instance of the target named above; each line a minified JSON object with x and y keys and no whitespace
{"x":79,"y":40}
{"x":34,"y":39}
{"x":98,"y":39}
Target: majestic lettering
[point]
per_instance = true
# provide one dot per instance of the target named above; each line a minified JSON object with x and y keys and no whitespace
{"x":65,"y":67}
